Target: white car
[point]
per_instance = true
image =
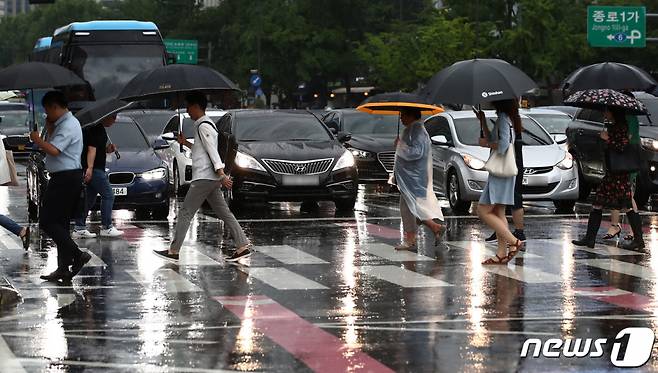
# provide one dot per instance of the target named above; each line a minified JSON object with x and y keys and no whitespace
{"x":180,"y":162}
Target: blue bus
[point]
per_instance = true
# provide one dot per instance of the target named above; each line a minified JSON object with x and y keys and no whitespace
{"x":105,"y":54}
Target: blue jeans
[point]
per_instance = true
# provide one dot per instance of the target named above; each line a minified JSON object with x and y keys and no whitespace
{"x":99,"y":184}
{"x":10,"y":225}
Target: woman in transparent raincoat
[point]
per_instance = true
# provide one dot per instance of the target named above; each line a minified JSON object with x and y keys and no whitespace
{"x":413,"y":176}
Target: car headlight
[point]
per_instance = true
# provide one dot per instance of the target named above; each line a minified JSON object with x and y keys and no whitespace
{"x":156,"y":174}
{"x":649,"y":144}
{"x":246,"y":161}
{"x":359,"y":153}
{"x":345,"y":161}
{"x":472,"y":162}
{"x":567,"y":162}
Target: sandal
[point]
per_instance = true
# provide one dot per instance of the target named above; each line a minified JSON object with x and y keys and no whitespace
{"x":609,"y":236}
{"x":492,"y":261}
{"x":628,"y":237}
{"x":409,"y":246}
{"x":519,"y":246}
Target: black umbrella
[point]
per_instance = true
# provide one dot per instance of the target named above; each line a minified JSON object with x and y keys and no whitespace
{"x":36,"y":75}
{"x":610,"y":75}
{"x":601,"y":99}
{"x":473,"y":82}
{"x":95,"y":112}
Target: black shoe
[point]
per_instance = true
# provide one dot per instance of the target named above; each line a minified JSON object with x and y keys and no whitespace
{"x":520,"y":235}
{"x":84,"y":258}
{"x":593,"y":224}
{"x":164,"y":254}
{"x":584,"y":242}
{"x":237,"y":256}
{"x":63,"y":275}
{"x":26,"y":239}
{"x":634,"y":245}
{"x":636,"y":225}
{"x":491,"y":238}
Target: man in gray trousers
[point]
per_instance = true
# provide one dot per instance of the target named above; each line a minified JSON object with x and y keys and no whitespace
{"x":207,"y":179}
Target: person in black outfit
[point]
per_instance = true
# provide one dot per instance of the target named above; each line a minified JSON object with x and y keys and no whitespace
{"x":63,"y":150}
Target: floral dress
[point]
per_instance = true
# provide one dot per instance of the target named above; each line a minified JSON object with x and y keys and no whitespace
{"x":614,"y":191}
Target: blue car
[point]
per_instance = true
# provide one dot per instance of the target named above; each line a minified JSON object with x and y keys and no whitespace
{"x":139,"y":177}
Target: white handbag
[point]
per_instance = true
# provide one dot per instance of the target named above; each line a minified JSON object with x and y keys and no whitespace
{"x":5,"y":171}
{"x":502,"y":165}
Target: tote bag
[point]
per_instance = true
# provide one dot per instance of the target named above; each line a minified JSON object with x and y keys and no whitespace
{"x":502,"y":165}
{"x":5,"y":171}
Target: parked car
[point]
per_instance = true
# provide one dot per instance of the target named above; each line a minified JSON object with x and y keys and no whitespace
{"x":554,"y":122}
{"x":458,"y":162}
{"x":288,"y":156}
{"x":569,"y":110}
{"x":180,"y":163}
{"x":588,"y":151}
{"x":152,"y":121}
{"x":139,"y":179}
{"x":14,"y":127}
{"x":372,"y":142}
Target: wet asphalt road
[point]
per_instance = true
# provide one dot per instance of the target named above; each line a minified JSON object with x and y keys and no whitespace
{"x":324,"y":292}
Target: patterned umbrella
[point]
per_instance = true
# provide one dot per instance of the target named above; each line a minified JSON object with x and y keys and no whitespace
{"x":601,"y":99}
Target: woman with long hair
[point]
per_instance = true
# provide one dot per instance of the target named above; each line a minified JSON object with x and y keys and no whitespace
{"x":499,"y":191}
{"x":615,"y":190}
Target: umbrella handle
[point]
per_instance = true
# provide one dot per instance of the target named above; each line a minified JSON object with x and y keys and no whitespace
{"x":116,"y":154}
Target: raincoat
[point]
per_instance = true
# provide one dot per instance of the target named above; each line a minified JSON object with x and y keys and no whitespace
{"x":413,"y":172}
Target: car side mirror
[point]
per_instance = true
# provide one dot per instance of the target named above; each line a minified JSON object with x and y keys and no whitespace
{"x":440,"y":140}
{"x":160,"y":144}
{"x":169,"y":136}
{"x":560,"y":138}
{"x":333,"y":130}
{"x":344,"y":136}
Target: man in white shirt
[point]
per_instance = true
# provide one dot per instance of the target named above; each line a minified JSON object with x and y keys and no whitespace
{"x":207,"y":179}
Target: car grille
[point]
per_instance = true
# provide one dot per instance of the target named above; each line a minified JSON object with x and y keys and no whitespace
{"x":537,"y":170}
{"x":539,"y":189}
{"x":14,"y":141}
{"x":387,"y":159}
{"x":312,"y":167}
{"x":121,"y":177}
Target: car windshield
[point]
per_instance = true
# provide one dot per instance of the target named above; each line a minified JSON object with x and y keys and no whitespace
{"x":280,"y":127}
{"x":552,"y":123}
{"x":652,"y":107}
{"x":152,"y":122}
{"x":468,"y":132}
{"x":13,"y":119}
{"x":368,"y":124}
{"x":127,"y":136}
{"x":107,"y":68}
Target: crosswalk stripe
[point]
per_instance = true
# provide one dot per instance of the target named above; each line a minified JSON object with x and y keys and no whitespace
{"x":8,"y":361}
{"x":617,"y":297}
{"x":190,"y":256}
{"x":388,"y":252}
{"x":173,"y":282}
{"x":95,"y":261}
{"x":618,"y":266}
{"x":523,"y":273}
{"x":11,"y":242}
{"x":600,"y":249}
{"x":488,"y":248}
{"x":401,"y":276}
{"x":289,"y":255}
{"x":282,"y":279}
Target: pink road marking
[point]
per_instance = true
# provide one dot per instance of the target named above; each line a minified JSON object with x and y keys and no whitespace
{"x":319,"y":350}
{"x":132,"y":233}
{"x":377,"y":230}
{"x":618,"y":297}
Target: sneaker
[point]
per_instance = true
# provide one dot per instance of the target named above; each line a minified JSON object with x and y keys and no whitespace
{"x":237,"y":256}
{"x":520,"y":235}
{"x":111,"y":232}
{"x":77,"y":234}
{"x":491,"y":238}
{"x":164,"y":254}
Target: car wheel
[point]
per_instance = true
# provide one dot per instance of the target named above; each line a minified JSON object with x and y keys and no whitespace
{"x":564,"y":205}
{"x":345,"y":204}
{"x":32,"y":209}
{"x":457,"y":205}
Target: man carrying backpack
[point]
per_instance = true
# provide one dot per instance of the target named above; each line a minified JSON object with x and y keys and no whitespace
{"x":207,"y":179}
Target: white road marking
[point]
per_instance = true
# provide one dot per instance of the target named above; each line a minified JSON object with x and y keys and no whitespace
{"x":8,"y":361}
{"x":401,"y":276}
{"x":95,"y":261}
{"x":388,"y":252}
{"x":489,"y":248}
{"x":172,"y":282}
{"x":282,"y":279}
{"x":600,"y":249}
{"x":190,"y":256}
{"x":137,"y":367}
{"x":439,"y":330}
{"x":289,"y":255}
{"x":11,"y":242}
{"x":523,"y":273}
{"x":618,"y":266}
{"x":113,"y":338}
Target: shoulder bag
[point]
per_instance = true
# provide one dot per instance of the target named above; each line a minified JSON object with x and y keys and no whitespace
{"x":502,"y":165}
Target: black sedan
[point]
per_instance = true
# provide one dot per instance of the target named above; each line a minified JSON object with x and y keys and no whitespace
{"x":139,"y":178}
{"x":288,"y":156}
{"x":371,"y":143}
{"x":14,"y":127}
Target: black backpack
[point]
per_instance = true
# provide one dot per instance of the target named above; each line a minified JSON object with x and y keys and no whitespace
{"x":227,"y":147}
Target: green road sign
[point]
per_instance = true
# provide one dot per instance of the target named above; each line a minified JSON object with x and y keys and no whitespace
{"x":186,"y":51}
{"x":616,"y":26}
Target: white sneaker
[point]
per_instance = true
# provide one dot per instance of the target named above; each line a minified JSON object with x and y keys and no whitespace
{"x":112,"y":232}
{"x":77,"y":234}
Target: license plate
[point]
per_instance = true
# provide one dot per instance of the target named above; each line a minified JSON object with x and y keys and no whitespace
{"x":301,"y":180}
{"x":525,"y":180}
{"x":21,"y":147}
{"x":120,"y":191}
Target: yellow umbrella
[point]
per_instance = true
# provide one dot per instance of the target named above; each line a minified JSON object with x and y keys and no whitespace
{"x":394,"y":108}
